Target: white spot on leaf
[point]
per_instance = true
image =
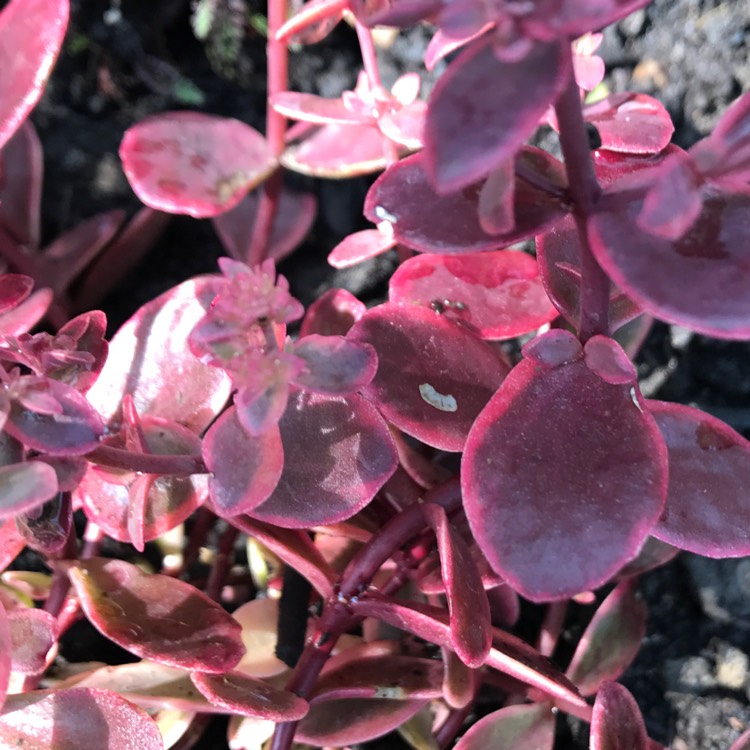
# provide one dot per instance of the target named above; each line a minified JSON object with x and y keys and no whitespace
{"x":438,"y":400}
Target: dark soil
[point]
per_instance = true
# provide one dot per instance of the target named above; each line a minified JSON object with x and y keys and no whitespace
{"x":691,"y":677}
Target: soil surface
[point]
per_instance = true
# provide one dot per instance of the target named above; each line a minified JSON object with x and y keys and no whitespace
{"x":123,"y":61}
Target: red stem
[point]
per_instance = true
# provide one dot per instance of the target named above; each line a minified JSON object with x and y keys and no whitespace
{"x":222,"y":564}
{"x":552,"y":627}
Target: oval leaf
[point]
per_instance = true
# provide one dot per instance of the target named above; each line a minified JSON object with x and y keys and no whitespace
{"x":193,"y":163}
{"x":333,"y":313}
{"x":500,"y":295}
{"x":156,"y":617}
{"x":532,"y":453}
{"x":361,"y":246}
{"x":33,"y":632}
{"x":24,"y":486}
{"x":334,"y":365}
{"x":433,"y":377}
{"x":616,"y":723}
{"x":512,"y":728}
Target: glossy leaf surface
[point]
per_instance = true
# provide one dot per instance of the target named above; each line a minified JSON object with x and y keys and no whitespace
{"x":150,"y":360}
{"x":31,"y":35}
{"x":333,"y":313}
{"x":361,"y":246}
{"x":709,"y":473}
{"x":611,"y":640}
{"x":338,"y":453}
{"x":528,"y":456}
{"x":476,"y":120}
{"x":427,"y":221}
{"x":193,"y":163}
{"x":498,"y":294}
{"x":617,"y":723}
{"x":530,"y":727}
{"x":156,"y":617}
{"x":75,"y":718}
{"x":433,"y":377}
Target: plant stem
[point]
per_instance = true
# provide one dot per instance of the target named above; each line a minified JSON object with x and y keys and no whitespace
{"x":551,"y":627}
{"x":585,"y":192}
{"x":222,"y":564}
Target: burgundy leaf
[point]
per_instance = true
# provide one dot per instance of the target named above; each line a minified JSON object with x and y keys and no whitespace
{"x":460,"y":682}
{"x":25,"y":485}
{"x":295,"y":548}
{"x":631,"y":123}
{"x":520,"y":467}
{"x":294,"y":216}
{"x":21,"y":168}
{"x":27,"y":314}
{"x":333,"y":313}
{"x":426,"y":221}
{"x":496,"y":200}
{"x":499,"y":294}
{"x":338,"y":151}
{"x":334,"y":365}
{"x":611,"y":640}
{"x":338,"y":453}
{"x":530,"y":727}
{"x":617,"y":723}
{"x":47,"y":528}
{"x":193,"y":163}
{"x":354,"y":720}
{"x":476,"y":120}
{"x":155,"y":616}
{"x":360,"y":246}
{"x":14,"y":289}
{"x":245,"y":469}
{"x":149,"y":359}
{"x":247,"y":696}
{"x":31,"y":35}
{"x":125,"y":503}
{"x":33,"y":632}
{"x":76,"y":718}
{"x":433,"y":378}
{"x":74,"y":431}
{"x":709,"y":473}
{"x":709,"y":261}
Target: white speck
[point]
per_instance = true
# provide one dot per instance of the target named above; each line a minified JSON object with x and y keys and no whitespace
{"x":438,"y":400}
{"x":635,"y":399}
{"x":384,"y":215}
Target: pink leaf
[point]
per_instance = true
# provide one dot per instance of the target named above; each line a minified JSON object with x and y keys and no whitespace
{"x":361,"y":246}
{"x":25,"y":485}
{"x":316,"y":109}
{"x":5,"y":657}
{"x":742,"y":742}
{"x":149,"y":359}
{"x":193,"y":163}
{"x":31,"y":35}
{"x":427,"y":221}
{"x":11,"y":542}
{"x":333,"y":313}
{"x":245,"y":469}
{"x":27,"y":314}
{"x":709,"y":472}
{"x":611,"y":640}
{"x":155,"y":616}
{"x":433,"y":377}
{"x":247,"y":696}
{"x":617,"y":723}
{"x":476,"y":120}
{"x":334,"y":365}
{"x":33,"y":632}
{"x":499,"y":295}
{"x":337,"y":454}
{"x":530,"y":727}
{"x":14,"y":289}
{"x":312,"y":22}
{"x":76,"y":718}
{"x":520,"y":467}
{"x":709,"y":261}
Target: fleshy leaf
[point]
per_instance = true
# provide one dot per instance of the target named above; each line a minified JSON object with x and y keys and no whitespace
{"x":476,"y":120}
{"x":433,"y":378}
{"x":11,"y":542}
{"x":427,"y":221}
{"x":360,"y":246}
{"x":530,"y":727}
{"x":14,"y":289}
{"x":520,"y":467}
{"x":5,"y":654}
{"x":247,"y":696}
{"x":21,"y":167}
{"x":616,"y":723}
{"x":338,"y":453}
{"x":155,"y":616}
{"x":709,"y":262}
{"x":33,"y":632}
{"x":259,"y":619}
{"x":76,"y":718}
{"x":193,"y":163}
{"x":333,"y":313}
{"x":246,"y":469}
{"x":709,"y":473}
{"x":47,"y":527}
{"x":611,"y":640}
{"x":316,"y":109}
{"x":499,"y":294}
{"x":334,"y":365}
{"x":149,"y":359}
{"x":31,"y":35}
{"x":25,"y":485}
